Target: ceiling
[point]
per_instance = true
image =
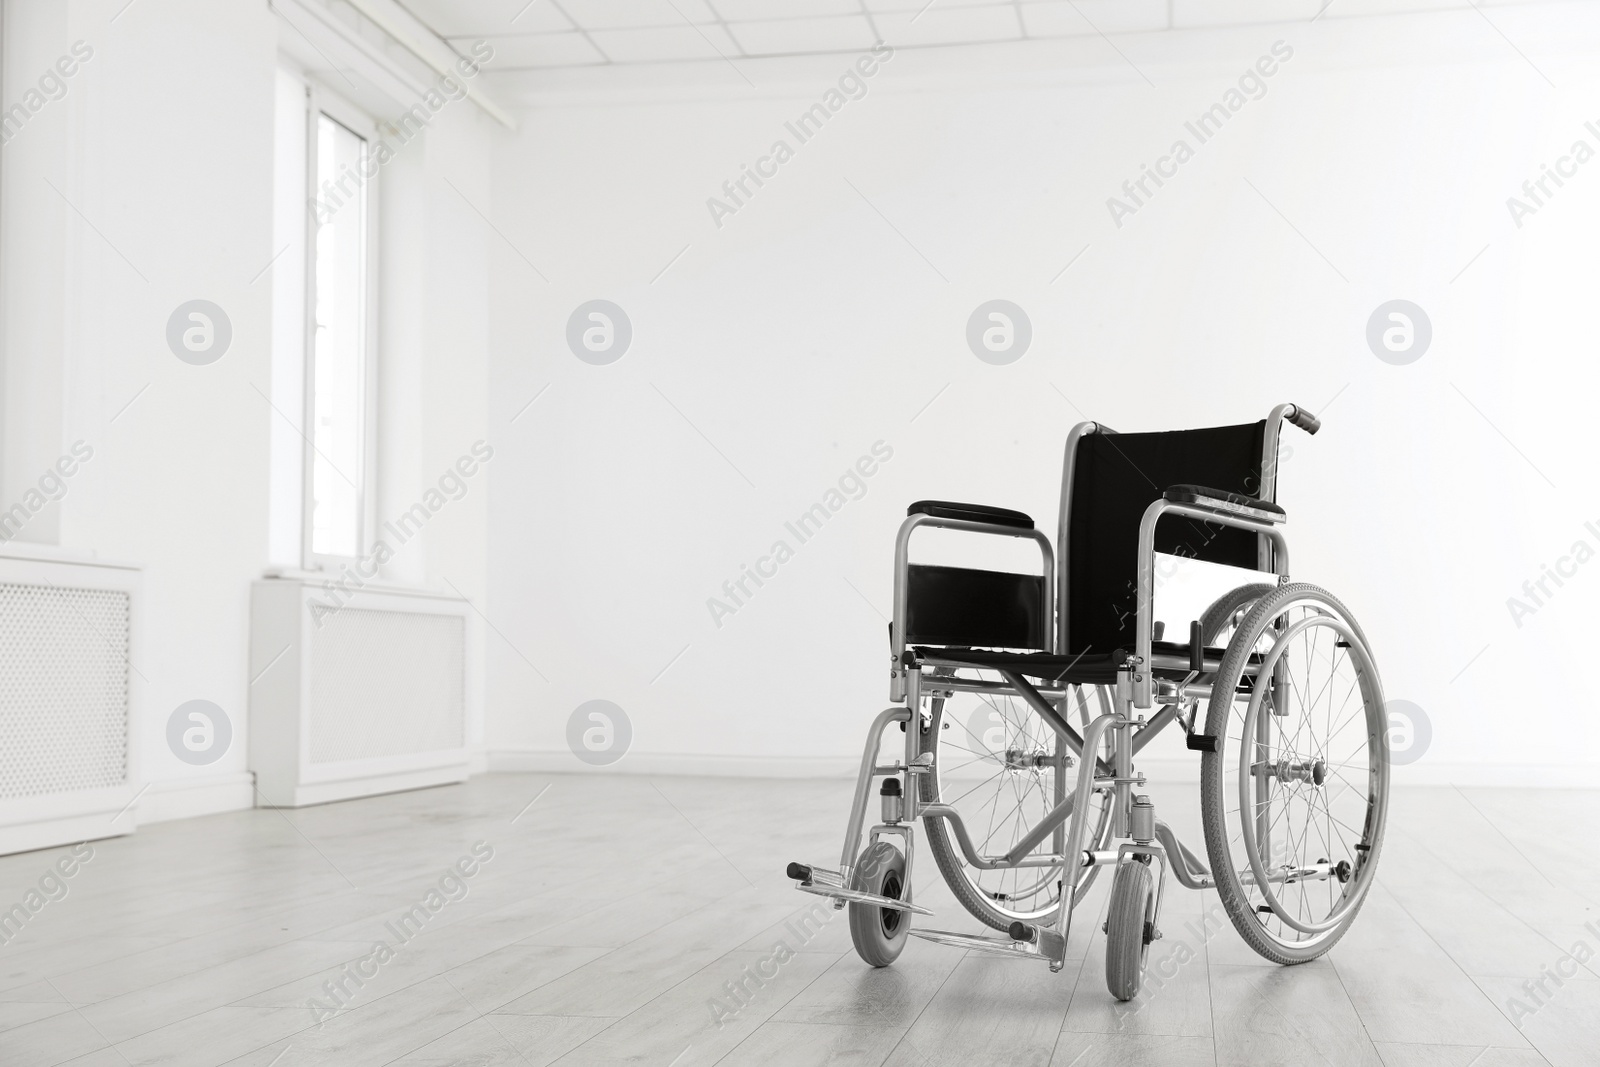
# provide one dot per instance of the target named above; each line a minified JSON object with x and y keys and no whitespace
{"x":554,"y":34}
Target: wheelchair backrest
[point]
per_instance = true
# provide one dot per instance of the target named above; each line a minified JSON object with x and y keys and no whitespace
{"x":1114,"y":477}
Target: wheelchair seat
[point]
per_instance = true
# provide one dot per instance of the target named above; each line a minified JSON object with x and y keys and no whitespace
{"x":1081,"y":669}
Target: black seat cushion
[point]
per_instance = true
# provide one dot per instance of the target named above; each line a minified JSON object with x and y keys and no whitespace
{"x":1076,"y":670}
{"x":947,"y":509}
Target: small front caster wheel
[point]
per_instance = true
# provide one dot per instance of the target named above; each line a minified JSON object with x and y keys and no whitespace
{"x":880,"y":933}
{"x":1130,"y":927}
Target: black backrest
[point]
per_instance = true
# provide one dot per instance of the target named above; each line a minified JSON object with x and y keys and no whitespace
{"x":1115,"y":477}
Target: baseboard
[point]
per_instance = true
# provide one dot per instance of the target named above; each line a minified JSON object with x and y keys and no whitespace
{"x":1501,"y":775}
{"x":1176,"y":769}
{"x":185,"y":798}
{"x":366,"y":785}
{"x":676,"y":763}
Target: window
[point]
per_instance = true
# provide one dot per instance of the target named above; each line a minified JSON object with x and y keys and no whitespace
{"x":340,"y":317}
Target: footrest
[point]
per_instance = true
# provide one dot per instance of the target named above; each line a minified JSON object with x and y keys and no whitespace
{"x":856,"y":896}
{"x":998,"y":946}
{"x":808,"y":875}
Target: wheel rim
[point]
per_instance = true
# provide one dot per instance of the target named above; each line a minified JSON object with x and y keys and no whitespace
{"x":1310,"y":783}
{"x":890,"y":917}
{"x":1003,"y":779}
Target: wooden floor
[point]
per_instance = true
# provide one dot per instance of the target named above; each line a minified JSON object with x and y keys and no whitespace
{"x":615,"y":911}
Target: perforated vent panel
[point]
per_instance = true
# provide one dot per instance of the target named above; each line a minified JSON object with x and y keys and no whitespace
{"x":63,"y":689}
{"x":385,"y":683}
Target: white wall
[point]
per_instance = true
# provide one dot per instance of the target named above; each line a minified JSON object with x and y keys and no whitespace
{"x":781,"y":346}
{"x":163,"y":145}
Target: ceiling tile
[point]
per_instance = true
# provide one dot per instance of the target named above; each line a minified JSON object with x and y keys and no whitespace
{"x":954,"y":25}
{"x":568,"y":49}
{"x":746,"y":10}
{"x":666,"y":43}
{"x":912,"y":7}
{"x":1237,"y":12}
{"x":627,"y":14}
{"x":787,"y":36}
{"x":1060,"y":18}
{"x":486,"y":18}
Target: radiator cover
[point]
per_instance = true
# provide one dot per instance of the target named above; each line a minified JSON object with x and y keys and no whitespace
{"x":358,"y":694}
{"x":68,"y":770}
{"x":386,"y":683}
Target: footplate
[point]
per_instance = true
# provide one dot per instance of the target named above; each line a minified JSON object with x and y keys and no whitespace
{"x":997,"y":946}
{"x":825,"y":883}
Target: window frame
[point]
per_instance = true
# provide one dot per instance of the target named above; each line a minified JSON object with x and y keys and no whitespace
{"x":322,"y":101}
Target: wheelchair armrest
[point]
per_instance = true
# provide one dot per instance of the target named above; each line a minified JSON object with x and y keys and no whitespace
{"x":945,"y":509}
{"x":1222,"y":500}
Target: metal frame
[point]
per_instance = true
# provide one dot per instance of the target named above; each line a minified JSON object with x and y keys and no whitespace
{"x":902,"y":547}
{"x":1066,"y":825}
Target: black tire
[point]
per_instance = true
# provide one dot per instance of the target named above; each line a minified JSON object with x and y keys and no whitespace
{"x":1227,"y":855}
{"x":880,"y":933}
{"x":1217,"y":619}
{"x":1130,"y":927}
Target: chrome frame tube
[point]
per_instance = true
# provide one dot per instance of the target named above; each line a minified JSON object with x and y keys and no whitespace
{"x":1268,"y":489}
{"x":1080,"y":823}
{"x":1190,"y":871}
{"x":1049,"y":714}
{"x":1069,"y":464}
{"x":902,"y":563}
{"x":869,"y":767}
{"x":970,"y":851}
{"x":1144,"y":620}
{"x":1057,"y":816}
{"x":913,"y":728}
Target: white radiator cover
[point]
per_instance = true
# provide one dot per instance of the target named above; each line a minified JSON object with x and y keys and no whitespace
{"x":68,"y":690}
{"x":359,"y":694}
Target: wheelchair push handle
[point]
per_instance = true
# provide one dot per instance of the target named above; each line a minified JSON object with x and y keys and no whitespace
{"x":1305,"y":420}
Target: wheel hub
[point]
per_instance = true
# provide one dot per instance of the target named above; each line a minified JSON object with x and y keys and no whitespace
{"x":1289,"y":769}
{"x":1019,"y":760}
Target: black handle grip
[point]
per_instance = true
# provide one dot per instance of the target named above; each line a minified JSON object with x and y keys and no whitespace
{"x":1305,"y":420}
{"x":800,"y":872}
{"x":1197,"y":651}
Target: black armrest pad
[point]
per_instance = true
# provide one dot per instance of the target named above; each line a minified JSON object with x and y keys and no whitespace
{"x":945,"y":509}
{"x":1197,"y":494}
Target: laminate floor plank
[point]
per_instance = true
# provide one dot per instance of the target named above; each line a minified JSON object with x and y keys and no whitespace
{"x":618,"y":912}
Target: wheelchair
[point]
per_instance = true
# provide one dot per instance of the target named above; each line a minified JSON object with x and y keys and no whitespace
{"x":1024,"y":801}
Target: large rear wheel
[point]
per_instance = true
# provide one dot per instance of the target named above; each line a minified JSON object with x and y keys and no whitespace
{"x":1294,"y":798}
